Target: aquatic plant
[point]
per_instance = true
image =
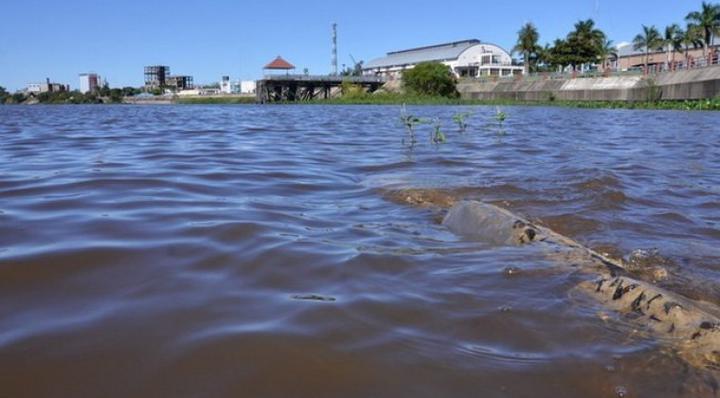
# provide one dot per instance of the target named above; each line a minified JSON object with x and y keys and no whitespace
{"x":438,"y":137}
{"x":410,"y":122}
{"x":500,"y":116}
{"x":461,"y":120}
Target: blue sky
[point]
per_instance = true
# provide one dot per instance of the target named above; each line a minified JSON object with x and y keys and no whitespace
{"x":207,"y":39}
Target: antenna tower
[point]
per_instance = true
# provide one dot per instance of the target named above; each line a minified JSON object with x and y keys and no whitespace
{"x":334,"y":50}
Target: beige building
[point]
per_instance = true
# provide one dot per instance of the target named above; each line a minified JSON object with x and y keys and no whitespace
{"x":631,"y":59}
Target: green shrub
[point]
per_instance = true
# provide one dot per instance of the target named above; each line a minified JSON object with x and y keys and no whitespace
{"x":350,"y":90}
{"x":430,"y":79}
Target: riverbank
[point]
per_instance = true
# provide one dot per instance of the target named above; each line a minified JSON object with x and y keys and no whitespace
{"x":212,"y":100}
{"x":399,"y":99}
{"x":409,"y":99}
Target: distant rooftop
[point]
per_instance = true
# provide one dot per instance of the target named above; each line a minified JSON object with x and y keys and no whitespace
{"x":279,"y":63}
{"x":439,"y":52}
{"x":626,"y":49}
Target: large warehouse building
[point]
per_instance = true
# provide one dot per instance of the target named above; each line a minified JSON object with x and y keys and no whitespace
{"x":468,"y":58}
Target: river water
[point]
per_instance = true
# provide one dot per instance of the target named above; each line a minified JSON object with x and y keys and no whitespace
{"x":247,"y":251}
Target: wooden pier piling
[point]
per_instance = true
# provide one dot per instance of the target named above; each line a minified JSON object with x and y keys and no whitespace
{"x":290,"y":88}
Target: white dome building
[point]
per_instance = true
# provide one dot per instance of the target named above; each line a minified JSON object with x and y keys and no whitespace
{"x":469,"y":58}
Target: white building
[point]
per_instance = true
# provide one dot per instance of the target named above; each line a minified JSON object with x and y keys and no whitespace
{"x":248,"y":87}
{"x":37,"y":88}
{"x":236,"y":87}
{"x":90,"y":82}
{"x":226,"y":86}
{"x":468,"y":58}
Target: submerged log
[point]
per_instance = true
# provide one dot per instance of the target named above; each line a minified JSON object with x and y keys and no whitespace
{"x":689,"y":327}
{"x":692,"y":331}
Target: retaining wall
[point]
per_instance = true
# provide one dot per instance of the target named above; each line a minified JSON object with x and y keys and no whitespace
{"x":680,"y":85}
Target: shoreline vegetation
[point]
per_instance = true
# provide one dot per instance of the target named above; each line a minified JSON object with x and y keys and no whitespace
{"x":215,"y":100}
{"x":386,"y":98}
{"x":409,"y":99}
{"x":351,"y":95}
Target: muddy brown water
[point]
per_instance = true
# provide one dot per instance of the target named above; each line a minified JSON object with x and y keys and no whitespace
{"x":193,"y":251}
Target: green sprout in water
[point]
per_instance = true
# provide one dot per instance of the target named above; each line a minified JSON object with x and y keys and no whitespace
{"x":500,"y":116}
{"x":410,"y":122}
{"x":461,"y":120}
{"x":438,"y":137}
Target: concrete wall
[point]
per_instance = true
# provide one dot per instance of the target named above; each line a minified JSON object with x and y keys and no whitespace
{"x":680,"y":85}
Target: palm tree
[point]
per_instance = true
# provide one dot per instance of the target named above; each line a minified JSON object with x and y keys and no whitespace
{"x":606,"y":51}
{"x":527,"y":44}
{"x":586,"y":30}
{"x":543,"y":57}
{"x":691,"y":37}
{"x":673,"y":42}
{"x":707,"y":19}
{"x":587,"y":41}
{"x":649,"y":40}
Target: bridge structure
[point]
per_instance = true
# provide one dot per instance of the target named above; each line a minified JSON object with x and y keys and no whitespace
{"x":290,"y":88}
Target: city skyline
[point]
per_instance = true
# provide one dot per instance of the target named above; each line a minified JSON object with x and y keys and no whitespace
{"x":40,"y":39}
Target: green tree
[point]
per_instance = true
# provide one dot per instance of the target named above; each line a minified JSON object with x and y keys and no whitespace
{"x":672,"y":42}
{"x":116,"y":95}
{"x":527,"y":44}
{"x":584,"y":45}
{"x":586,"y":41}
{"x":543,"y":57}
{"x":707,"y":19}
{"x":648,"y":40}
{"x":563,"y":54}
{"x":18,"y":98}
{"x":430,"y":78}
{"x":104,"y":91}
{"x":606,"y":51}
{"x":4,"y":95}
{"x":130,"y":91}
{"x":691,"y":37}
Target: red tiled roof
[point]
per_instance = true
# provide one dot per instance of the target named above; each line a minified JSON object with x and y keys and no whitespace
{"x":279,"y":63}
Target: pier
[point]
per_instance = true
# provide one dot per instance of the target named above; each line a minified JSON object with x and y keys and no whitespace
{"x":289,"y":88}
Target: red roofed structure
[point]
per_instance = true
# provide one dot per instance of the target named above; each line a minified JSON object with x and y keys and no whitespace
{"x":279,"y":64}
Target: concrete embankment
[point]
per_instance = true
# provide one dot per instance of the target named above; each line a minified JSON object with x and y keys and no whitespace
{"x":681,"y":85}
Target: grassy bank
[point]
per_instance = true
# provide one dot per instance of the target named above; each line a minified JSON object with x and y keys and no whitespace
{"x":215,"y":100}
{"x":398,"y":99}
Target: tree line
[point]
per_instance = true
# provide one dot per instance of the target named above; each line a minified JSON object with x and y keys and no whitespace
{"x":102,"y":95}
{"x":587,"y":44}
